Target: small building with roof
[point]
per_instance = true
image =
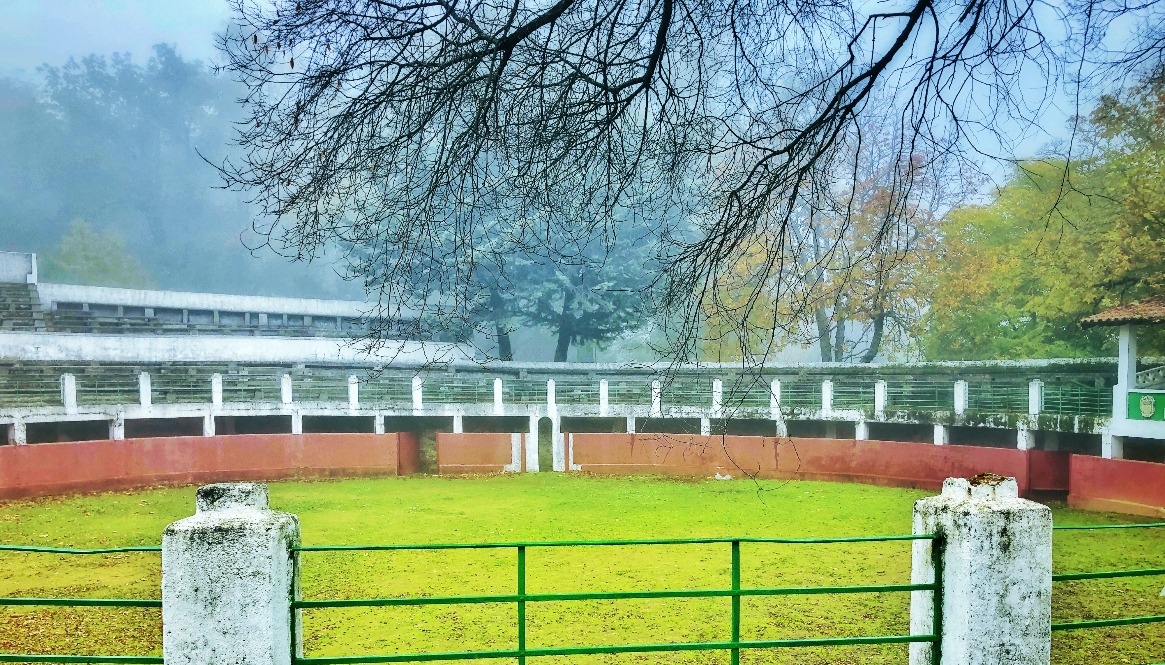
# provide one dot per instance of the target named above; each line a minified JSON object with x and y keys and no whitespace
{"x":1138,"y":398}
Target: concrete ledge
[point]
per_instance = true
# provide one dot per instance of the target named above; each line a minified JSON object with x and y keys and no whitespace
{"x":94,"y":466}
{"x":675,"y":454}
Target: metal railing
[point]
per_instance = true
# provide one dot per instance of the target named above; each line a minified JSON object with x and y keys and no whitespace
{"x":521,"y":597}
{"x":1108,"y":574}
{"x":78,"y":602}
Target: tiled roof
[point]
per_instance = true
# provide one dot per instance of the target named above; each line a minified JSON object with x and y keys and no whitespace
{"x":1149,"y":310}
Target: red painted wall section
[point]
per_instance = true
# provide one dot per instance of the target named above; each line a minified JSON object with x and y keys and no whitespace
{"x":1048,"y":470}
{"x":918,"y":465}
{"x":1123,"y":486}
{"x":675,"y":454}
{"x":92,"y":466}
{"x":474,"y":452}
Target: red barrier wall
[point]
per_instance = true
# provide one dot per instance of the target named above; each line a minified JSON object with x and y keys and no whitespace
{"x":919,"y":465}
{"x":475,"y":452}
{"x":675,"y":454}
{"x":92,"y":466}
{"x":1122,"y":486}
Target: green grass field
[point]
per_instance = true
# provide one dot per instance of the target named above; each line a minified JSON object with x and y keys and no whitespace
{"x":558,"y":507}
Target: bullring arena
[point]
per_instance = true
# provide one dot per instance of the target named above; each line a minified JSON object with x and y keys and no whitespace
{"x":701,"y":513}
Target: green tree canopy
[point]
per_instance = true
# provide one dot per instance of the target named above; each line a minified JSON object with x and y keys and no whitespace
{"x":1016,"y":274}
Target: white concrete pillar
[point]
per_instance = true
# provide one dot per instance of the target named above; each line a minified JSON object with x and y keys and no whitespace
{"x":775,"y":398}
{"x":145,"y":390}
{"x":208,"y":424}
{"x":117,"y":427}
{"x":499,"y":408}
{"x":962,"y":397}
{"x":861,"y":430}
{"x":656,"y":399}
{"x":1112,"y":447}
{"x":228,"y":574}
{"x":285,"y":394}
{"x":942,"y":435}
{"x":1035,"y":397}
{"x":630,"y":424}
{"x":216,"y":389}
{"x":604,"y":398}
{"x":782,"y":427}
{"x":1126,"y":372}
{"x":418,"y":393}
{"x":458,"y":424}
{"x":353,"y":392}
{"x":532,"y":446}
{"x":19,"y":432}
{"x":1025,"y":439}
{"x":827,"y":396}
{"x":69,"y":392}
{"x":515,"y":465}
{"x":557,"y":444}
{"x":880,"y":393}
{"x":378,"y":424}
{"x":717,"y":398}
{"x":705,"y":426}
{"x":994,"y":562}
{"x":296,"y":422}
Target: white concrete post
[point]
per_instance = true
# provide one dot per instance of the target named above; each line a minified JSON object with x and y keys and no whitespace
{"x":942,"y":435}
{"x":19,"y":432}
{"x":1126,"y":372}
{"x":827,"y":396}
{"x":604,"y":398}
{"x":418,"y":393}
{"x":775,"y":398}
{"x":994,"y":558}
{"x":962,"y":397}
{"x":782,"y":427}
{"x":499,"y":408}
{"x":1112,"y":447}
{"x":216,"y":389}
{"x":117,"y":427}
{"x":515,"y":465}
{"x":532,"y":446}
{"x":1035,"y":397}
{"x":285,"y":394}
{"x":557,"y":444}
{"x":656,"y":399}
{"x":1025,"y":439}
{"x":228,"y":576}
{"x":353,"y":392}
{"x":208,"y":424}
{"x":458,"y":424}
{"x":296,"y":422}
{"x":705,"y":426}
{"x":861,"y":430}
{"x":69,"y":392}
{"x":717,"y":397}
{"x":630,"y":424}
{"x":880,"y":399}
{"x":378,"y":424}
{"x":145,"y":390}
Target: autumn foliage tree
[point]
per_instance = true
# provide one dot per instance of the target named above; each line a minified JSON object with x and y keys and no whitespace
{"x":1057,"y":242}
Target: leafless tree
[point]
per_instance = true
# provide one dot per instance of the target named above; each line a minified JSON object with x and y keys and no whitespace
{"x":403,"y":125}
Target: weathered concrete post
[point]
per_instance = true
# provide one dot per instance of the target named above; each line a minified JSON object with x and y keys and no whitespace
{"x":228,"y":576}
{"x":995,"y":561}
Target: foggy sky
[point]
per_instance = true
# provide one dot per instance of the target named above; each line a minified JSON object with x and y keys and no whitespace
{"x":36,"y":32}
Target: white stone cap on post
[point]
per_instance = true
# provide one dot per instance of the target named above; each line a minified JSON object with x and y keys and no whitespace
{"x":228,"y":576}
{"x":993,"y":557}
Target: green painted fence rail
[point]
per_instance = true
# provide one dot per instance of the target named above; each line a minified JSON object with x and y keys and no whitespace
{"x":78,"y":602}
{"x":521,"y":598}
{"x":1108,"y":574}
